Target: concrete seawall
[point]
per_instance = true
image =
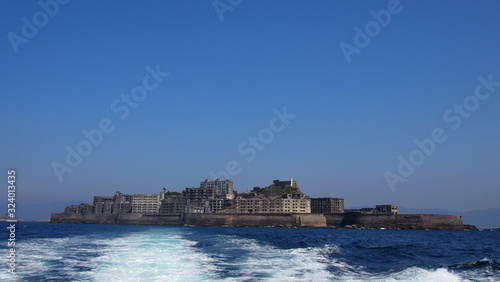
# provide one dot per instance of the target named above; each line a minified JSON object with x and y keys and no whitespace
{"x":281,"y":220}
{"x":403,"y":221}
{"x":342,"y":220}
{"x":124,"y":218}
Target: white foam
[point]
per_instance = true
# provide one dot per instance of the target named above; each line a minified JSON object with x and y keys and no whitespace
{"x":38,"y":257}
{"x":166,"y":255}
{"x":415,"y":274}
{"x":268,"y":262}
{"x":152,"y":257}
{"x":311,"y":264}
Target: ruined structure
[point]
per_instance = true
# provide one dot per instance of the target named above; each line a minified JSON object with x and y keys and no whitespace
{"x":216,"y":203}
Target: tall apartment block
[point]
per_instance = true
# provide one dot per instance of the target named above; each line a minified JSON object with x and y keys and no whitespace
{"x":287,"y":204}
{"x":142,"y":203}
{"x":223,"y":189}
{"x":327,"y":205}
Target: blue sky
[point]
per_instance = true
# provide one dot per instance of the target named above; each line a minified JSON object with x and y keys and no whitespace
{"x":352,"y":120}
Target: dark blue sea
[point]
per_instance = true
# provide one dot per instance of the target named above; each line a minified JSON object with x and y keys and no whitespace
{"x":88,"y":252}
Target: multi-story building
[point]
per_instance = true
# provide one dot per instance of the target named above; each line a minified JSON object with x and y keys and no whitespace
{"x":82,"y":209}
{"x":199,"y":195}
{"x":173,"y":205}
{"x":103,"y":204}
{"x":219,"y":205}
{"x":223,"y":189}
{"x":288,"y":204}
{"x":211,"y":197}
{"x":122,"y":202}
{"x":387,"y":209}
{"x":142,"y":203}
{"x":86,"y":209}
{"x":327,"y":205}
{"x":119,"y":203}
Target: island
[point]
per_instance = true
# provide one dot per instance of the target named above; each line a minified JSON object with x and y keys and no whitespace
{"x":216,"y":203}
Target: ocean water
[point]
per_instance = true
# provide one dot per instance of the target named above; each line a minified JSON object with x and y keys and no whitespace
{"x":88,"y":252}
